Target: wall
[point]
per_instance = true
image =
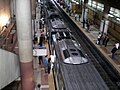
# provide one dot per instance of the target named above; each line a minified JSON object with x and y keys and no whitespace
{"x":9,"y":67}
{"x":114,"y":29}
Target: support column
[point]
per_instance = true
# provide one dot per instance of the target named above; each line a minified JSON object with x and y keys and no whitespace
{"x":105,"y":21}
{"x":33,"y":9}
{"x":24,"y":33}
{"x":84,"y":13}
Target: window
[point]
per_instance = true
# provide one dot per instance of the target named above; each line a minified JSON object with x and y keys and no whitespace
{"x":111,"y":10}
{"x":100,"y":7}
{"x":90,"y":3}
{"x":94,"y":4}
{"x":115,"y":13}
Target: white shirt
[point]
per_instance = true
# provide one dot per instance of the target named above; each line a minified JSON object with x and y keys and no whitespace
{"x":117,"y":45}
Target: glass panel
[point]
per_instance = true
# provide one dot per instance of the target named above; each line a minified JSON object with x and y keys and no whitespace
{"x":114,"y":13}
{"x":112,"y":10}
{"x":90,"y":3}
{"x":117,"y":13}
{"x":100,"y":6}
{"x":118,"y":19}
{"x":94,"y":4}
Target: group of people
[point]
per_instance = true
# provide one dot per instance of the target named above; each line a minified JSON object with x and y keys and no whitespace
{"x":46,"y":62}
{"x":40,"y":40}
{"x":115,"y":48}
{"x":104,"y":38}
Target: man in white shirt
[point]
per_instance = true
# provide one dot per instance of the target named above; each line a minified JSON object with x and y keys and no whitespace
{"x":115,"y":48}
{"x":117,"y":45}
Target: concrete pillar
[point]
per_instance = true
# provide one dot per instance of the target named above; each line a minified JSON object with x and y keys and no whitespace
{"x":33,"y":8}
{"x":12,"y":8}
{"x":24,"y":33}
{"x":106,"y":11}
{"x":104,"y":21}
{"x":83,"y":18}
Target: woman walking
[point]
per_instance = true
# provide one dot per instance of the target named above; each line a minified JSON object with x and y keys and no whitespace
{"x":49,"y":65}
{"x":115,"y":48}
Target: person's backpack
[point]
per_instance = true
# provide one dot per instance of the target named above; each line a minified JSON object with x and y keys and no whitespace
{"x":45,"y":61}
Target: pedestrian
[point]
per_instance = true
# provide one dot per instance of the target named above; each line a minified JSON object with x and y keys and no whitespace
{"x":84,"y":23}
{"x":49,"y":65}
{"x":99,"y":38}
{"x":40,"y":60}
{"x":35,"y":40}
{"x":42,"y":22}
{"x":104,"y":39}
{"x":75,"y":17}
{"x":45,"y":63}
{"x":115,"y":48}
{"x":41,"y":40}
{"x":88,"y":26}
{"x":12,"y":38}
{"x":107,"y":40}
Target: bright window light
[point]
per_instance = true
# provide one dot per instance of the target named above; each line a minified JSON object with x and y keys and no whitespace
{"x":118,"y":19}
{"x":39,"y":1}
{"x":3,"y":20}
{"x":94,"y":4}
{"x":100,"y":6}
{"x":110,"y":15}
{"x":90,"y":3}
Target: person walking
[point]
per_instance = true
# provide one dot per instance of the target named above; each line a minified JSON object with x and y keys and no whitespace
{"x":107,"y":40}
{"x":49,"y":65}
{"x":45,"y":63}
{"x":42,"y":22}
{"x":41,"y":40}
{"x":104,"y":39}
{"x":115,"y":48}
{"x":84,"y":23}
{"x":40,"y":60}
{"x":88,"y":26}
{"x":99,"y":38}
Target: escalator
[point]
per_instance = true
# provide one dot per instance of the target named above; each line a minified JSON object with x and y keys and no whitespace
{"x":9,"y":62}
